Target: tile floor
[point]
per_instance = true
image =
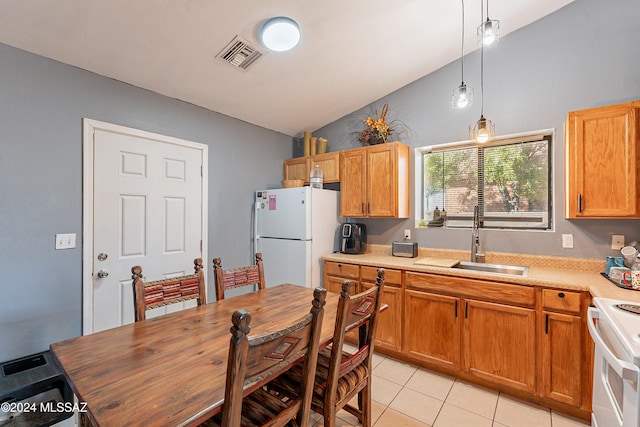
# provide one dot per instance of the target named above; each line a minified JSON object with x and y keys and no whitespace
{"x":408,"y":396}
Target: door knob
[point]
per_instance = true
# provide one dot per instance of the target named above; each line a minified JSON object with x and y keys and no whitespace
{"x":102,"y":274}
{"x":102,"y":256}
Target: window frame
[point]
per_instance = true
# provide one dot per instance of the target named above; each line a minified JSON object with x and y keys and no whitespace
{"x":548,"y":134}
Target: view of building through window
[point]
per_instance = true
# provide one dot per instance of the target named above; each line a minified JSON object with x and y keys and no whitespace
{"x":509,"y":181}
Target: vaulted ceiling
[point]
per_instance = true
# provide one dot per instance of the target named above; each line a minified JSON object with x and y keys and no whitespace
{"x":350,"y":54}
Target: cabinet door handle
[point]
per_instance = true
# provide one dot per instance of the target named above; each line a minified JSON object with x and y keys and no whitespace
{"x":466,"y":310}
{"x":580,"y":203}
{"x":455,"y":309}
{"x":362,"y":208}
{"x":546,"y":324}
{"x":368,"y":207}
{"x":561,"y":294}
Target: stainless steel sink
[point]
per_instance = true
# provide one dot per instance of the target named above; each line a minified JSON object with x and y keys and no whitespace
{"x":515,"y":270}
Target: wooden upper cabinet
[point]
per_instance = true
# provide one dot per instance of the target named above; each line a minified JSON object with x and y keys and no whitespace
{"x":330,"y":165}
{"x":300,"y":167}
{"x":375,"y":181}
{"x":603,"y":162}
{"x":297,"y":168}
{"x":353,"y":169}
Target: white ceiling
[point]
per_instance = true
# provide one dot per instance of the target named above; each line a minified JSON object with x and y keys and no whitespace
{"x":351,"y":52}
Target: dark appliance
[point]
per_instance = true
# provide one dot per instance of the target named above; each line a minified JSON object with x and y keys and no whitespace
{"x":354,"y":238}
{"x":34,"y":391}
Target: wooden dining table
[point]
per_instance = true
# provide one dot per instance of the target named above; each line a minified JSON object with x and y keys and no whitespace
{"x":171,"y":370}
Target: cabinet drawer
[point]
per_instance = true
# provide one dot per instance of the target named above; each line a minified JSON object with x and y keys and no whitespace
{"x":391,"y":277}
{"x":558,"y":299}
{"x":471,"y":288}
{"x":351,"y":271}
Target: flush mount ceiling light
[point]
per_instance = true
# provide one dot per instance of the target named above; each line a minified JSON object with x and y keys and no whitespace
{"x":462,"y":95}
{"x":488,"y":31}
{"x":280,"y":34}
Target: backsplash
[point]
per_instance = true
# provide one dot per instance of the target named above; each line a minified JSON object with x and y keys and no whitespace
{"x":582,"y":264}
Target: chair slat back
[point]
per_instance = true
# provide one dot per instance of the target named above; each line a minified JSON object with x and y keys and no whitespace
{"x":260,"y":358}
{"x":237,"y":277}
{"x":157,"y":293}
{"x":360,"y":311}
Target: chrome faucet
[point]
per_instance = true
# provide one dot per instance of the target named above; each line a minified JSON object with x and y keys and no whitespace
{"x":475,"y":236}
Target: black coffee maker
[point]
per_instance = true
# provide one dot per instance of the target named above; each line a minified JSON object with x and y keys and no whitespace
{"x":353,"y":238}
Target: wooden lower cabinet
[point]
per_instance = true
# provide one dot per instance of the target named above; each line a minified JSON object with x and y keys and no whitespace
{"x":432,"y":328}
{"x":498,"y":344}
{"x":389,"y":328}
{"x":564,"y":349}
{"x":562,"y":358}
{"x":530,"y":340}
{"x":333,"y":284}
{"x":337,"y":272}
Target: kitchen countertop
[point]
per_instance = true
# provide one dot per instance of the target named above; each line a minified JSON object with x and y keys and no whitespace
{"x":554,"y":272}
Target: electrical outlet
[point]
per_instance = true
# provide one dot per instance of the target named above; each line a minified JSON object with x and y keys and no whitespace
{"x":407,"y":234}
{"x":617,"y":241}
{"x":567,"y":241}
{"x":66,"y":241}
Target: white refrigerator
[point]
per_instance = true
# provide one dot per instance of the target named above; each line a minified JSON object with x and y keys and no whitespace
{"x":294,"y":228}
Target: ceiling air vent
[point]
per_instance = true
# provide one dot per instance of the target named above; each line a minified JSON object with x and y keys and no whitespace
{"x":239,"y":53}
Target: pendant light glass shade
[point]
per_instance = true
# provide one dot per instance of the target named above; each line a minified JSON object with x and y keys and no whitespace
{"x":483,"y":130}
{"x":489,"y":32}
{"x":462,"y":96}
{"x":280,"y":34}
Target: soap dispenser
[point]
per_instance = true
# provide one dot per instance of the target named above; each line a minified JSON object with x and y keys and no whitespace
{"x":436,"y":213}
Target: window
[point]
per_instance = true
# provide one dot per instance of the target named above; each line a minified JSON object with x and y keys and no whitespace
{"x":509,"y":180}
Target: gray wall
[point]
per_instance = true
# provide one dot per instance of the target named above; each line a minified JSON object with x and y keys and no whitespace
{"x":42,"y":103}
{"x":586,"y":54}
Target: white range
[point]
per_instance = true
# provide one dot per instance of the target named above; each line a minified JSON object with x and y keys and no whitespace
{"x":616,"y":367}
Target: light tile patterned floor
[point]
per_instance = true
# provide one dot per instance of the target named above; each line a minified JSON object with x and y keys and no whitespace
{"x":408,"y":396}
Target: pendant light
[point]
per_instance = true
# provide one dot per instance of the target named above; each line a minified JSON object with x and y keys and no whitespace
{"x":483,"y":130}
{"x":489,"y":30}
{"x":462,"y":95}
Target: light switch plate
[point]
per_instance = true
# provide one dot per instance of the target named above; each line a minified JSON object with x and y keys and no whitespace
{"x":617,"y":241}
{"x":66,"y":241}
{"x":567,"y":241}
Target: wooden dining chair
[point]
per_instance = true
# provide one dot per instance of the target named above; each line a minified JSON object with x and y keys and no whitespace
{"x":253,"y":361}
{"x":237,"y":277}
{"x":158,"y":293}
{"x":340,"y":376}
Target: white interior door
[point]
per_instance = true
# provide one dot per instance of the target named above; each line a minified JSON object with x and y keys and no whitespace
{"x":148,"y":208}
